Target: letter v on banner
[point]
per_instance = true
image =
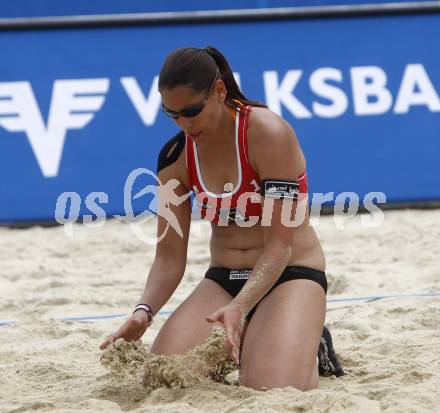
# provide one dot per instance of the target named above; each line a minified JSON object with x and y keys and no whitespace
{"x":147,"y":108}
{"x":72,"y":106}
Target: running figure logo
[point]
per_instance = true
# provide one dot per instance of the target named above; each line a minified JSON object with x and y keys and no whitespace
{"x":165,"y":196}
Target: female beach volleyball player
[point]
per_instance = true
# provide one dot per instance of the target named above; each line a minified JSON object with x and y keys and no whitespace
{"x":266,"y":282}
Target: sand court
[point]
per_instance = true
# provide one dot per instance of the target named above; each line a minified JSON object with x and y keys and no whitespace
{"x":389,"y":347}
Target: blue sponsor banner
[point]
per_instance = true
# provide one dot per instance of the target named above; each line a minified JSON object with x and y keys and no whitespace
{"x":32,"y":8}
{"x":79,"y":109}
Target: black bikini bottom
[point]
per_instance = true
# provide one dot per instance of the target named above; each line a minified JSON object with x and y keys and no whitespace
{"x":232,"y":281}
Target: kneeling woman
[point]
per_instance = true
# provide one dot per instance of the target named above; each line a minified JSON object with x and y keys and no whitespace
{"x":266,"y":282}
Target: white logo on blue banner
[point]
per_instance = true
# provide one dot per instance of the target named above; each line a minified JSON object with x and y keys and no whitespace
{"x":72,"y":106}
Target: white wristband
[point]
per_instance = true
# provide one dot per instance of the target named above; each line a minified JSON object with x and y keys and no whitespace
{"x":147,"y":309}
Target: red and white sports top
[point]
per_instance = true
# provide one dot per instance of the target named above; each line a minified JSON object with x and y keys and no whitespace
{"x":243,"y":201}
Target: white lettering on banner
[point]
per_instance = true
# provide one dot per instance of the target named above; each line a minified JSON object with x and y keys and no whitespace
{"x":369,"y":88}
{"x":147,"y":108}
{"x":414,"y":77}
{"x":319,"y":86}
{"x":72,"y":106}
{"x":277,"y":94}
{"x":370,"y":82}
{"x":74,"y":102}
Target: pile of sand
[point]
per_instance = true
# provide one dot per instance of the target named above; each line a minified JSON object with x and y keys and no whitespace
{"x":208,"y":362}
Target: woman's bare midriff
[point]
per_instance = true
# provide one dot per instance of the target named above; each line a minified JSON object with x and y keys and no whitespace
{"x":237,"y":247}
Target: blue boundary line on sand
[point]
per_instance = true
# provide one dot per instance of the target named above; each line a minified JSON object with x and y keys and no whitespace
{"x":368,"y":298}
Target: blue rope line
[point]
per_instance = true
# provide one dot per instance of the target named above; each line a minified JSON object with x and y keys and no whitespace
{"x":6,"y":322}
{"x":369,"y":298}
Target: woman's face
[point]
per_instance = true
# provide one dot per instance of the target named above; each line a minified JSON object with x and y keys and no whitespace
{"x":185,"y":99}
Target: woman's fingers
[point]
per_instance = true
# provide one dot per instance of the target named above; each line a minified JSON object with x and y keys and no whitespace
{"x":235,"y":351}
{"x":122,"y":331}
{"x":213,"y":317}
{"x":234,"y":340}
{"x":236,"y":356}
{"x":105,"y":343}
{"x":229,"y":318}
{"x":132,"y":329}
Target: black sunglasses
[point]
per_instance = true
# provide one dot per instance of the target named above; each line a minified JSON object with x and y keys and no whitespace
{"x":187,"y":112}
{"x":191,"y":111}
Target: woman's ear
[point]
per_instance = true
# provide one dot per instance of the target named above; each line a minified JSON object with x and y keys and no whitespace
{"x":220,"y":88}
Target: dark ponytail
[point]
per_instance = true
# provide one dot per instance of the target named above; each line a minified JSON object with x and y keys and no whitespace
{"x":197,"y":69}
{"x":227,"y":76}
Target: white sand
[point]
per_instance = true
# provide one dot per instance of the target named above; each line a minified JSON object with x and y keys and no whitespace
{"x":389,"y":348}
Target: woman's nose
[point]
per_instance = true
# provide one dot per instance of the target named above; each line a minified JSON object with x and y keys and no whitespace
{"x":184,"y":123}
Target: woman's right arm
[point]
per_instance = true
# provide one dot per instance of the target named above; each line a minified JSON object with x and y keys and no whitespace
{"x":170,"y":261}
{"x":169,"y":264}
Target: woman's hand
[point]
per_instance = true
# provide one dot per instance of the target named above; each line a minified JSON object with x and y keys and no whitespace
{"x":132,"y":330}
{"x":232,"y":319}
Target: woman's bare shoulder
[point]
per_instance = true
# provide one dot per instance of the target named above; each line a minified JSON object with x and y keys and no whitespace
{"x":271,"y":139}
{"x":266,"y":127}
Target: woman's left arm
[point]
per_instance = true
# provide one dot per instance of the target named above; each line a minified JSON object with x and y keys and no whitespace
{"x":276,"y":155}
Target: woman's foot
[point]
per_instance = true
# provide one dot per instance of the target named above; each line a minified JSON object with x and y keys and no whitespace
{"x":328,"y":363}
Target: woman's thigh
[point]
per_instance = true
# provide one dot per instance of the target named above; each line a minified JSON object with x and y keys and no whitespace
{"x":281,"y":341}
{"x":187,"y":327}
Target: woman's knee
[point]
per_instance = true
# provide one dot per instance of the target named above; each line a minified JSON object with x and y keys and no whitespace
{"x":176,"y":337}
{"x":164,"y":345}
{"x":187,"y":326}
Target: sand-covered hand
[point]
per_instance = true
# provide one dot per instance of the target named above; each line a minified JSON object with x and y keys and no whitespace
{"x":133,"y":329}
{"x":231,"y":318}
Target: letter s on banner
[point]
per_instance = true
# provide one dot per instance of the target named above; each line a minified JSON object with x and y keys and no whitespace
{"x":319,"y":86}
